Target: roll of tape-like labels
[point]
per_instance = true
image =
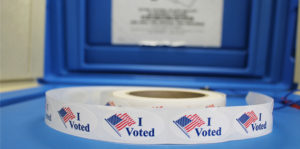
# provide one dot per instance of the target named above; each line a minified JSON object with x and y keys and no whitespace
{"x":149,"y":115}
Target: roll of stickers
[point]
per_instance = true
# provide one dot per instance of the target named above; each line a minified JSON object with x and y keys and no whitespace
{"x":164,"y":98}
{"x":149,"y":115}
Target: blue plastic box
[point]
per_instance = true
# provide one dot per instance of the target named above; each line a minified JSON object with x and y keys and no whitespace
{"x":257,"y":54}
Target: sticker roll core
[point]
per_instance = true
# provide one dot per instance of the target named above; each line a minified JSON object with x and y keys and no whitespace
{"x":168,"y":97}
{"x":156,"y":115}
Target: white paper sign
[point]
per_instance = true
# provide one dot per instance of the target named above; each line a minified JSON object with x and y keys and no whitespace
{"x":167,"y":22}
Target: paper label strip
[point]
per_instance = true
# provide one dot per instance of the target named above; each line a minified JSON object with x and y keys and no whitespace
{"x":160,"y":126}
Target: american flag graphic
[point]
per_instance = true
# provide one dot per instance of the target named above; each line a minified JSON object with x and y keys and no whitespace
{"x":110,"y":103}
{"x":66,"y":114}
{"x":247,"y":119}
{"x":120,"y":121}
{"x":189,"y":122}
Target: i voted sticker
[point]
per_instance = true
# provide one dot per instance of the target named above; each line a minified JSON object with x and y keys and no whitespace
{"x":76,"y":119}
{"x":202,"y":125}
{"x":133,"y":125}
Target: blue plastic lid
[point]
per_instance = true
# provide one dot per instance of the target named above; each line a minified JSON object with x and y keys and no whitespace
{"x":256,"y":52}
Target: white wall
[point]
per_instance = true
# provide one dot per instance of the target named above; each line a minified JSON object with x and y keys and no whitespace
{"x":21,"y":39}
